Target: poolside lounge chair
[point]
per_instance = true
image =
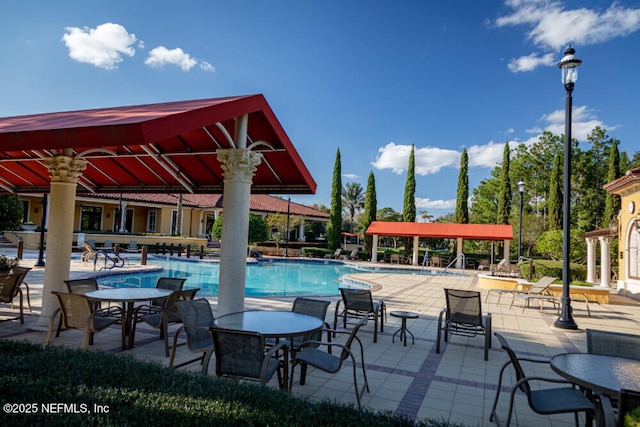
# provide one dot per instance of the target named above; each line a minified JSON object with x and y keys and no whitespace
{"x":311,"y":355}
{"x":197,"y":320}
{"x":559,"y":400}
{"x":463,"y":316}
{"x":335,"y":255}
{"x":9,"y":289}
{"x":543,"y":283}
{"x":88,"y":253}
{"x":78,"y":313}
{"x":352,"y":256}
{"x":359,"y":303}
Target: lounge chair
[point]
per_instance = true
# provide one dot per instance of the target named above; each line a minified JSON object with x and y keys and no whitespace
{"x":359,"y":303}
{"x":197,"y":321}
{"x":9,"y":289}
{"x":543,"y":283}
{"x":88,"y":253}
{"x":78,"y":313}
{"x":484,"y":265}
{"x":243,"y":355}
{"x":558,"y":400}
{"x":352,"y":256}
{"x":335,"y":254}
{"x":311,"y":355}
{"x":463,"y":316}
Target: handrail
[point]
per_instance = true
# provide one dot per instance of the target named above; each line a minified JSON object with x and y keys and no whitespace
{"x":425,"y":260}
{"x":461,"y":255}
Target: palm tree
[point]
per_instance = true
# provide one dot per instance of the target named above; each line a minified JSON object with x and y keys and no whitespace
{"x":353,"y":199}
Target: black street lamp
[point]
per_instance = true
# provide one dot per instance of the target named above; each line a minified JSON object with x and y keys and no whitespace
{"x":521,"y":191}
{"x":569,"y":66}
{"x":40,"y":261}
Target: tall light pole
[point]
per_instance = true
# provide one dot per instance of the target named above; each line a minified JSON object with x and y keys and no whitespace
{"x":521,"y":191}
{"x":569,"y":66}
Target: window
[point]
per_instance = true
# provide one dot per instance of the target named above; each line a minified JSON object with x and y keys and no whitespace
{"x":91,"y":218}
{"x":151,"y":221}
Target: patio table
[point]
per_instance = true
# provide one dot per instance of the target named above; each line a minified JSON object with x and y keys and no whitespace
{"x":128,"y":297}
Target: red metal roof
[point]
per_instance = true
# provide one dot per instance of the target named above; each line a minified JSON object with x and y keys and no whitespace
{"x":441,"y":230}
{"x":157,"y":148}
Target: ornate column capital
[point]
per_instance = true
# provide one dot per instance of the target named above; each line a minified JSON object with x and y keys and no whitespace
{"x":605,"y":240}
{"x":238,"y":164}
{"x":591,"y":241}
{"x":65,"y":168}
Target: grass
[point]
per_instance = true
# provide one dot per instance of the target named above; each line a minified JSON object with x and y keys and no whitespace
{"x":95,"y":388}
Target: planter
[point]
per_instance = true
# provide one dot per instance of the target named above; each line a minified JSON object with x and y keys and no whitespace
{"x":29,"y":227}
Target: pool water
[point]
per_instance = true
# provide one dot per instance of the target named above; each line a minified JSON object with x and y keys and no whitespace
{"x":263,"y":279}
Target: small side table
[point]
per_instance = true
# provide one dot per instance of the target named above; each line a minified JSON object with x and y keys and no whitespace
{"x":403,"y":331}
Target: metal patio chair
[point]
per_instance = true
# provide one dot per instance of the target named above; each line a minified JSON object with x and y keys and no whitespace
{"x":547,"y":401}
{"x":463,"y":316}
{"x":9,"y":289}
{"x":197,"y":321}
{"x":359,"y":303}
{"x":311,"y":355}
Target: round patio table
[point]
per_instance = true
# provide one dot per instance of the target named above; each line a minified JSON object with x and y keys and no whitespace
{"x":128,"y":297}
{"x":271,"y":324}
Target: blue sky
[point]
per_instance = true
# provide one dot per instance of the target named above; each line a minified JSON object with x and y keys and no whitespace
{"x":370,"y":78}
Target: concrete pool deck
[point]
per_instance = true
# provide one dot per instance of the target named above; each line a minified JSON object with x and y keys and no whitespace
{"x":455,"y":385}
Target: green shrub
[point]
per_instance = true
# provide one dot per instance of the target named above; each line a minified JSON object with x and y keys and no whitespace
{"x":144,"y":393}
{"x":545,"y":267}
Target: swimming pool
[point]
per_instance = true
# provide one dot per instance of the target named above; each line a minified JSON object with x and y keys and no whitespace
{"x":275,"y":278}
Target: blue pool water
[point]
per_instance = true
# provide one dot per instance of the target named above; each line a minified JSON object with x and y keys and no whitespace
{"x":289,"y":278}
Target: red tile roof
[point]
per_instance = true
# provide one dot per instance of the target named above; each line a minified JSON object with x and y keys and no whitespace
{"x":258,"y":202}
{"x":440,"y":230}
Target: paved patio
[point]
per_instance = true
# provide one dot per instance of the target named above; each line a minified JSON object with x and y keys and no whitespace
{"x":456,"y":385}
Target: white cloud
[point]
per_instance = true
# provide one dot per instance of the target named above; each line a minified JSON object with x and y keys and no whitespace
{"x":435,"y":204}
{"x":350,"y":176}
{"x":102,"y":46}
{"x":487,"y":155}
{"x":553,"y":27}
{"x":428,"y":160}
{"x":161,"y":56}
{"x":531,"y":62}
{"x":583,"y":121}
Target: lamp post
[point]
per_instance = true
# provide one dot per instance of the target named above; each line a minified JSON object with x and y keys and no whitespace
{"x":569,"y":67}
{"x":521,"y":191}
{"x":43,"y":223}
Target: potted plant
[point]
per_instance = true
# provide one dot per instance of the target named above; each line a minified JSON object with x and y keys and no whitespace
{"x":29,"y":226}
{"x":7,"y":263}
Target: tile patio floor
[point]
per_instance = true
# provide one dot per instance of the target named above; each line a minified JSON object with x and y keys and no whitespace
{"x":456,"y":385}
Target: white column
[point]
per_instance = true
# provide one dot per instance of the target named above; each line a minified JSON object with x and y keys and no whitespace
{"x":605,"y":261}
{"x":239,"y":166}
{"x":416,"y":253}
{"x":591,"y":259}
{"x":374,"y":249}
{"x":507,"y":249}
{"x":301,"y":230}
{"x":65,"y":171}
{"x":459,"y":250}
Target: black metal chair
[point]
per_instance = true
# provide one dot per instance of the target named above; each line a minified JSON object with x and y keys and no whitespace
{"x":558,"y":400}
{"x":463,"y":316}
{"x":197,"y":321}
{"x":311,"y":355}
{"x":613,"y":344}
{"x":359,"y":303}
{"x":241,"y":354}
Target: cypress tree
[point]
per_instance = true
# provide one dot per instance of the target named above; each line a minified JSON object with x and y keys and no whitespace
{"x":370,"y":208}
{"x":554,"y":204}
{"x":611,"y":201}
{"x":462,"y":208}
{"x":504,"y":197}
{"x":409,"y":209}
{"x":334,"y":228}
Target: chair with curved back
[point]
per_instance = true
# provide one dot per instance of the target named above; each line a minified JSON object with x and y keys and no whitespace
{"x":161,"y":318}
{"x":310,"y":354}
{"x":545,"y":401}
{"x":613,"y":344}
{"x":243,"y":355}
{"x":78,"y":313}
{"x":359,"y":303}
{"x":23,"y":271}
{"x":174,"y":284}
{"x":197,"y":321}
{"x":9,"y":289}
{"x":463,"y":316}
